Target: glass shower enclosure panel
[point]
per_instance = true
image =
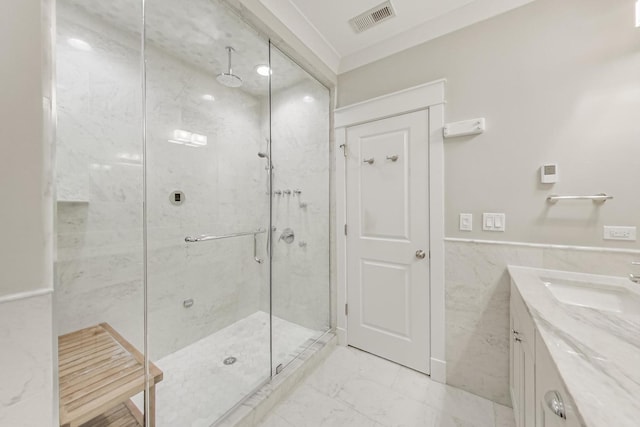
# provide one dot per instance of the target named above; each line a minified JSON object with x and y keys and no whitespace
{"x":99,"y":274}
{"x":207,"y":201}
{"x":300,"y":209}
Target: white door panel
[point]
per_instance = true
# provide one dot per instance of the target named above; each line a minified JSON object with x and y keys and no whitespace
{"x":388,"y":217}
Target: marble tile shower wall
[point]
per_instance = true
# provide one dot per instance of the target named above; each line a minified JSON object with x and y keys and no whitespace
{"x":99,"y":162}
{"x":477,"y":305}
{"x":98,"y":178}
{"x":300,"y":150}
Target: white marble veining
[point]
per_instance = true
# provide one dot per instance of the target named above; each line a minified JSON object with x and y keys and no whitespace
{"x":100,"y":259}
{"x":99,"y":266}
{"x":300,"y":152}
{"x":197,"y":31}
{"x":597,"y":352}
{"x":26,"y":362}
{"x":198,"y":388}
{"x":477,"y":304}
{"x":353,"y":388}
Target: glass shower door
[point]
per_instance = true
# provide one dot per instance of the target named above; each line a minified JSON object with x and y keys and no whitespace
{"x":300,"y":153}
{"x":207,"y":209}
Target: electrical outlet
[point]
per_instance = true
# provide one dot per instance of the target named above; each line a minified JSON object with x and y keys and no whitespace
{"x":619,"y":233}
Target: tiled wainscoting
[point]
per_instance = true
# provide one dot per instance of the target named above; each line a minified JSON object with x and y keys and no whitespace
{"x":26,"y":360}
{"x":477,"y":303}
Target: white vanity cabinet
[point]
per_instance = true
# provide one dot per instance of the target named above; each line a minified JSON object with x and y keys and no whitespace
{"x":551,"y":393}
{"x":535,"y":384}
{"x":522,"y":362}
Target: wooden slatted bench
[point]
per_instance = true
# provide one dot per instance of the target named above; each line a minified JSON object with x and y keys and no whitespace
{"x":99,"y":371}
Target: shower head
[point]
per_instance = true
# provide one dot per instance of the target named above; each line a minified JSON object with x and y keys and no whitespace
{"x":229,"y":79}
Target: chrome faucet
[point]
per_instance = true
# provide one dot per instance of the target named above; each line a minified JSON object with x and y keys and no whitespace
{"x":635,"y":278}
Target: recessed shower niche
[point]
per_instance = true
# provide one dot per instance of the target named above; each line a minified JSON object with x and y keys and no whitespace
{"x":178,"y":170}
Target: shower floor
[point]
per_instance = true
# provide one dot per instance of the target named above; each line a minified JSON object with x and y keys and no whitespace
{"x":198,"y":388}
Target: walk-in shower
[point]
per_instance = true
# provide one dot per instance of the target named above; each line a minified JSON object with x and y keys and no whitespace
{"x":168,"y":227}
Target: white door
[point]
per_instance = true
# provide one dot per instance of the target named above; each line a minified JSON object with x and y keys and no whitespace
{"x":388,"y":239}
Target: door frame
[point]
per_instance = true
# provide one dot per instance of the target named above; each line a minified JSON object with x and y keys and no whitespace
{"x":428,"y":96}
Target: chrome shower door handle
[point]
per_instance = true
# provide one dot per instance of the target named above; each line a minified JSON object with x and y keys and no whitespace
{"x":370,"y":161}
{"x":255,"y":249}
{"x":420,"y":254}
{"x":555,"y":403}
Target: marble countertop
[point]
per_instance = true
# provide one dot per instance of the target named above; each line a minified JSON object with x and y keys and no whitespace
{"x":597,"y":352}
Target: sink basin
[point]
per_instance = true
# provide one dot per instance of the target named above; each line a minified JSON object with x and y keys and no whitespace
{"x":594,"y":295}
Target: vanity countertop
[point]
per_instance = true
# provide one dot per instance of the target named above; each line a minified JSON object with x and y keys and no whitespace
{"x":596,"y":351}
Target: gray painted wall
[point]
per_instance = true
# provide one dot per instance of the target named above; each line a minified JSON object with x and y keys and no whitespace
{"x":557,"y":82}
{"x":25,"y":262}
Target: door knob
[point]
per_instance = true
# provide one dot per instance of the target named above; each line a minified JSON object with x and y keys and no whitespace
{"x":420,"y":254}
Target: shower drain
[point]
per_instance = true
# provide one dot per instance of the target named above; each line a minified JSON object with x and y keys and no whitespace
{"x":229,"y":360}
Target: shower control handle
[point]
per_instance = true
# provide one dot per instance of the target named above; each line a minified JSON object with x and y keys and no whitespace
{"x":420,"y":254}
{"x":370,"y":161}
{"x":393,"y":158}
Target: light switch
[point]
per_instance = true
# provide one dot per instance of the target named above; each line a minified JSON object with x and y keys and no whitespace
{"x":466,"y":222}
{"x":487,"y":220}
{"x":493,"y":221}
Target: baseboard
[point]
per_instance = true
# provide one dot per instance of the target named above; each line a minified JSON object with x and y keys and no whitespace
{"x":439,"y":370}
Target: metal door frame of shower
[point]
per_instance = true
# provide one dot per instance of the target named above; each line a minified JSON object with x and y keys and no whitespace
{"x":429,"y":96}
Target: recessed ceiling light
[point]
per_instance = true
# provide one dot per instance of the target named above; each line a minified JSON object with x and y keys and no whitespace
{"x":208,"y":97}
{"x":308,"y":99}
{"x":263,"y":70}
{"x":79,"y":44}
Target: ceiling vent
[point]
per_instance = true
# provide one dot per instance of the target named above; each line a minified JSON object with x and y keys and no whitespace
{"x":372,"y":17}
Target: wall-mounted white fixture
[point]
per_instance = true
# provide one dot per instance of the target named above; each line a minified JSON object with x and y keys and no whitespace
{"x":549,"y":173}
{"x":190,"y":139}
{"x":464,"y":128}
{"x":619,"y":233}
{"x":79,"y":44}
{"x":493,"y":221}
{"x":208,"y":97}
{"x":466,"y":222}
{"x":263,"y":70}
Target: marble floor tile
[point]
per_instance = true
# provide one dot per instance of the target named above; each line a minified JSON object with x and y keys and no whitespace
{"x":353,"y":388}
{"x":308,"y":407}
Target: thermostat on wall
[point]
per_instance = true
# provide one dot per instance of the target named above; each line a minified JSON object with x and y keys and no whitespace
{"x":549,"y":173}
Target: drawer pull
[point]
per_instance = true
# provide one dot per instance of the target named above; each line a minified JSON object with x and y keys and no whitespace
{"x":555,"y":403}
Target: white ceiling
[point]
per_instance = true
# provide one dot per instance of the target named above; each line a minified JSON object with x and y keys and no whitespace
{"x":323,"y":25}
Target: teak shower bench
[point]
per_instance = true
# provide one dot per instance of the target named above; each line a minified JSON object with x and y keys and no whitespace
{"x":99,"y":371}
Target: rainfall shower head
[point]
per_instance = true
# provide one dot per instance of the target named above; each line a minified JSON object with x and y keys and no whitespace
{"x":229,"y":79}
